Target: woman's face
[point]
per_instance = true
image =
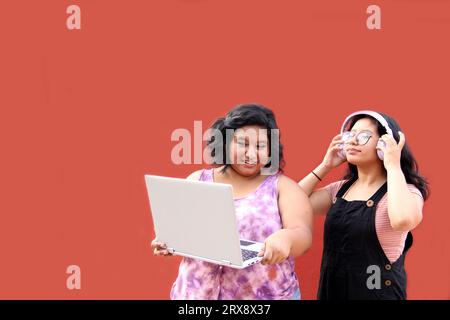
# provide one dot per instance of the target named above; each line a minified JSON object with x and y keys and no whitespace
{"x":249,"y":150}
{"x":361,"y":147}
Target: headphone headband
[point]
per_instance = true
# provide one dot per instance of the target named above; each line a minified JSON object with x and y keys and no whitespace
{"x":373,"y":114}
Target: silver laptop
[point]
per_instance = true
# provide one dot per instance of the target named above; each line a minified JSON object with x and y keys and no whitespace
{"x":196,"y":219}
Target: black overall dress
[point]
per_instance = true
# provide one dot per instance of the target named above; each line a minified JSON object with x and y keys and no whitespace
{"x":351,"y":253}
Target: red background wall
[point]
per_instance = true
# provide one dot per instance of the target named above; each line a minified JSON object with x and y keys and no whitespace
{"x":86,"y":113}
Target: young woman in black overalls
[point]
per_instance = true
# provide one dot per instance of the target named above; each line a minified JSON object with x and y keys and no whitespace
{"x":354,"y":265}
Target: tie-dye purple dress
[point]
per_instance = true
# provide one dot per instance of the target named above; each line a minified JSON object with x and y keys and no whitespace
{"x":257,"y":217}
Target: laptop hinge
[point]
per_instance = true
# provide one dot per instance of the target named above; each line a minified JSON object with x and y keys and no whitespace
{"x":226,"y":262}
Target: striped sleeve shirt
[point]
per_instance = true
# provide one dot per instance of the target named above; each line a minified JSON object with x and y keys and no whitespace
{"x":392,"y":242}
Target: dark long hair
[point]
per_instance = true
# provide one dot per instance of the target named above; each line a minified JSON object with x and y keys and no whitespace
{"x":241,"y":116}
{"x":408,"y":163}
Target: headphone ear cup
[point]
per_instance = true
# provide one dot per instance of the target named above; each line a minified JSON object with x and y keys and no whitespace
{"x":380,"y":153}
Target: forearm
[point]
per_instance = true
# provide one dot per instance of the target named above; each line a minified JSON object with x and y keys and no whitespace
{"x":308,"y":183}
{"x":299,"y":238}
{"x":402,"y":206}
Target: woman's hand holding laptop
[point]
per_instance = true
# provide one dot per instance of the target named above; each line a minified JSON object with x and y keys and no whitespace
{"x":160,"y":249}
{"x":276,"y":248}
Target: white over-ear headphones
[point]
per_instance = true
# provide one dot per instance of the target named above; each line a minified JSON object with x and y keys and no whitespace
{"x":375,"y":115}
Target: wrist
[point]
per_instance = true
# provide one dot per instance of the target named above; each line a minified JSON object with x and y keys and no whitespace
{"x":393,"y":168}
{"x":287,"y":237}
{"x":283,"y":235}
{"x":322,"y":170}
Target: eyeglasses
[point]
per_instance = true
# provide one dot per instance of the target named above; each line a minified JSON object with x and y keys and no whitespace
{"x":362,"y":137}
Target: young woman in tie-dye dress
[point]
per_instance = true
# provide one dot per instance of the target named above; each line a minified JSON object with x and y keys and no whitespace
{"x":270,"y":208}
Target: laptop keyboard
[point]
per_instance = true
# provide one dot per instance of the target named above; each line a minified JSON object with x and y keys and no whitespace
{"x":247,"y":254}
{"x":246,"y":243}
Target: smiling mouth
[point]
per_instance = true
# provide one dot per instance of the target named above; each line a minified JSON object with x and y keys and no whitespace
{"x":353,"y":150}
